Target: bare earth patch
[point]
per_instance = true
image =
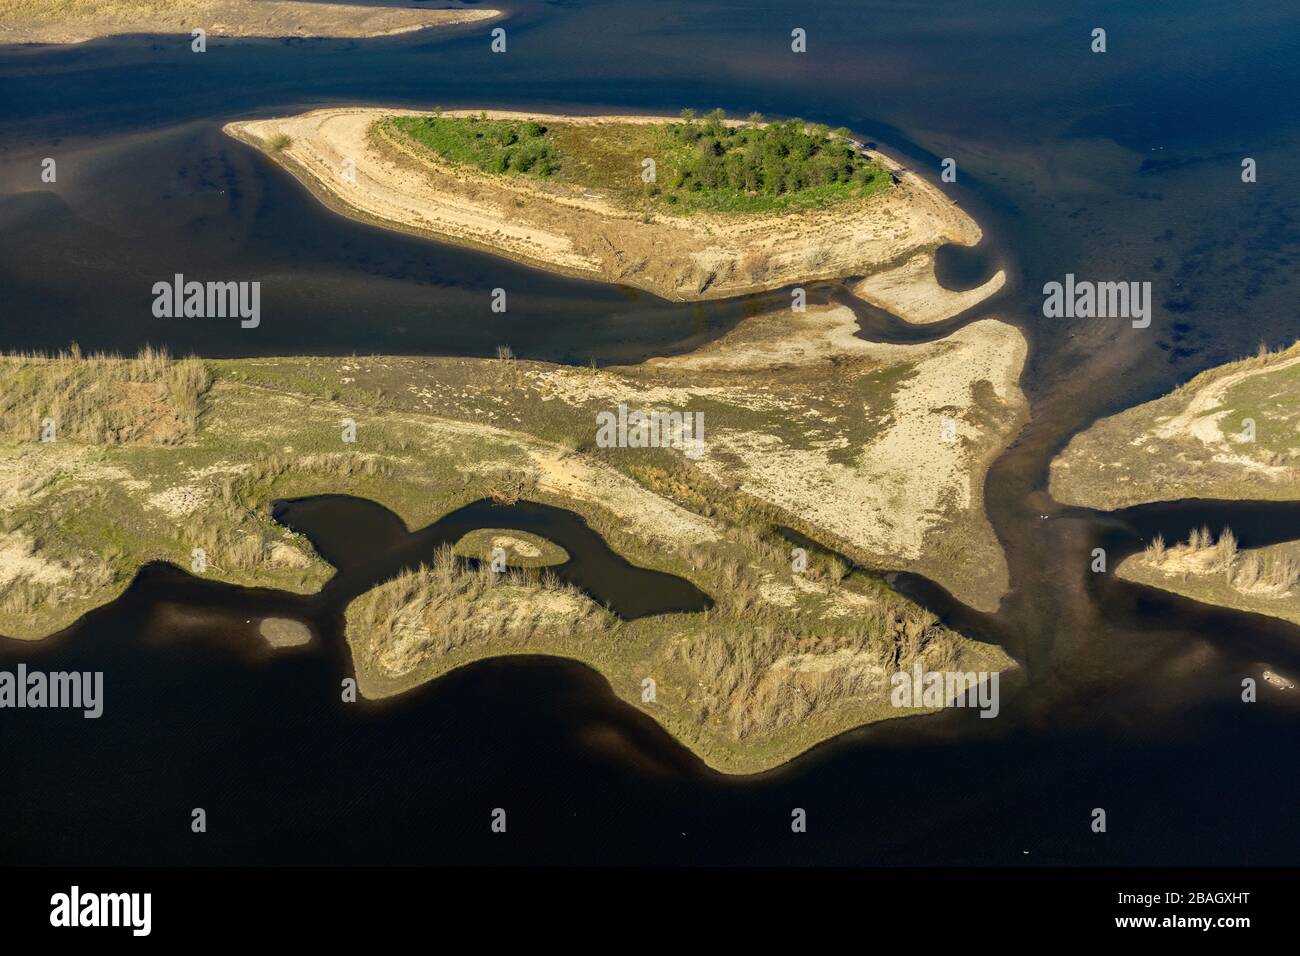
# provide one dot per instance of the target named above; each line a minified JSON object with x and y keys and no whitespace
{"x":881,"y":449}
{"x":284,"y":632}
{"x":911,"y":291}
{"x":520,"y":549}
{"x":19,"y":559}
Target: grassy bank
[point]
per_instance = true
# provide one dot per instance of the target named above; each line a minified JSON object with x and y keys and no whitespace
{"x":746,"y":685}
{"x":1232,"y":432}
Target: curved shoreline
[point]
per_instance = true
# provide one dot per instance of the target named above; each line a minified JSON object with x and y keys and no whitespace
{"x":428,"y":445}
{"x":1225,"y":435}
{"x":890,"y":406}
{"x":584,"y":235}
{"x":241,"y":18}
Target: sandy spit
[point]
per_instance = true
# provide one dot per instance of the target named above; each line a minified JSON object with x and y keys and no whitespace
{"x":911,"y":291}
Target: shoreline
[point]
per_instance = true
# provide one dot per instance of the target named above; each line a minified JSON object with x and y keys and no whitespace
{"x":425,"y":449}
{"x":580,"y":234}
{"x":1219,"y":572}
{"x":1222,"y":435}
{"x":1227,"y":434}
{"x":265,"y":19}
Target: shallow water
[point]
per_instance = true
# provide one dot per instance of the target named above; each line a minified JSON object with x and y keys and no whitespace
{"x":1123,"y":165}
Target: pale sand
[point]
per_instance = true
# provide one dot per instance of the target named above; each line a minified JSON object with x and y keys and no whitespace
{"x":911,"y":291}
{"x":1198,"y":418}
{"x":568,"y":475}
{"x":284,"y":632}
{"x":699,"y":256}
{"x":516,"y":546}
{"x":20,"y":558}
{"x":909,"y":477}
{"x":917,"y":482}
{"x":61,"y":21}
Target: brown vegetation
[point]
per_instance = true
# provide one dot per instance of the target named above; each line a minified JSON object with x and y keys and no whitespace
{"x":447,"y":605}
{"x":1248,"y":572}
{"x":101,"y":399}
{"x":757,"y":678}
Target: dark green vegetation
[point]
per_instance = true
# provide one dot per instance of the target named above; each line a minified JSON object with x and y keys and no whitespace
{"x":493,"y":146}
{"x":700,"y":164}
{"x":752,"y":168}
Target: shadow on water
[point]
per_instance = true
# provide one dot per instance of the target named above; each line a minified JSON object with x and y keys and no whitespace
{"x":191,"y":201}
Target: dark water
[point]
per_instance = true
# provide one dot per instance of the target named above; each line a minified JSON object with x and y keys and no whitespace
{"x":369,"y":544}
{"x":1118,"y":166}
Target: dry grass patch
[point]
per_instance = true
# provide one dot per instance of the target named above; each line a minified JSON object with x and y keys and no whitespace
{"x":101,"y":399}
{"x":1216,"y":571}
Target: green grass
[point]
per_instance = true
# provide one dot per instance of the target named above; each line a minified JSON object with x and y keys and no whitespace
{"x":700,"y":165}
{"x":492,"y":146}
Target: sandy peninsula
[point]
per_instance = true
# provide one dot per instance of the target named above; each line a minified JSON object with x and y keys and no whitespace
{"x":1231,"y":432}
{"x":909,"y":290}
{"x":75,"y":21}
{"x":592,"y":235}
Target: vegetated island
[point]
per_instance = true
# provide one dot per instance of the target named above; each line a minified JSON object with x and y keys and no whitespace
{"x":689,"y":208}
{"x":75,"y":21}
{"x":1232,"y":432}
{"x":807,"y":427}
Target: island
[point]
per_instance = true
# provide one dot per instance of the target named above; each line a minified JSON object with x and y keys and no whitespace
{"x":687,"y":208}
{"x":783,"y":469}
{"x":1232,"y":432}
{"x":65,"y":21}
